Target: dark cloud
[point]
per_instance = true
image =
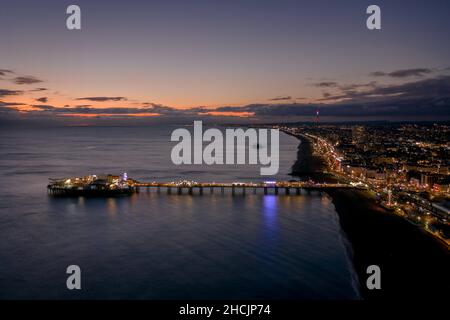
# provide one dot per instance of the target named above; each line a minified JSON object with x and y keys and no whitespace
{"x":435,"y":87}
{"x":6,"y":92}
{"x":45,"y":110}
{"x":38,"y":89}
{"x":8,"y":104}
{"x":403,"y":73}
{"x":101,"y":99}
{"x":26,"y":80}
{"x":426,"y":88}
{"x":43,"y":99}
{"x":79,"y":106}
{"x":45,"y":107}
{"x":410,"y":73}
{"x":355,"y":86}
{"x":427,"y":97}
{"x":149,"y":107}
{"x":325,"y":84}
{"x":4,"y":72}
{"x":87,"y":109}
{"x":378,"y":74}
{"x":281,"y":98}
{"x":436,"y":108}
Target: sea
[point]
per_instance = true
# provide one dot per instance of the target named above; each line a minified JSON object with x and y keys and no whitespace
{"x":156,"y":245}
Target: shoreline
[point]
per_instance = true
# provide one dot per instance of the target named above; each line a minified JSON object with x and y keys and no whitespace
{"x":413,"y":264}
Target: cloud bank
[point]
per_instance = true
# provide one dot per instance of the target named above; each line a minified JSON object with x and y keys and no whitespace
{"x":427,"y":96}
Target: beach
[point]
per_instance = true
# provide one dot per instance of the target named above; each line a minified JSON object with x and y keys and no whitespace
{"x":413,"y":264}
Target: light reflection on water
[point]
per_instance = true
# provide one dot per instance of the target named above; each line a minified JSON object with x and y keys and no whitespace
{"x":270,"y":211}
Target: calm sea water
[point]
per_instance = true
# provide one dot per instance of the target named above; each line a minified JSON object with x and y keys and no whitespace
{"x":158,"y":246}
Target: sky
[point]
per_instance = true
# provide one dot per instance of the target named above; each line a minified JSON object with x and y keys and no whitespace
{"x":224,"y":60}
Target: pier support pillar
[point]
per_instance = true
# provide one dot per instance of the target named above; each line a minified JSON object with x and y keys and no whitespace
{"x":243,"y":191}
{"x":222,"y":190}
{"x":190,"y":190}
{"x":211,"y":190}
{"x":232,"y":190}
{"x":287,"y":190}
{"x":201,"y":190}
{"x":276,"y":190}
{"x":169,"y":190}
{"x":254,"y":190}
{"x":265,"y":190}
{"x":297,"y":191}
{"x":179,"y":190}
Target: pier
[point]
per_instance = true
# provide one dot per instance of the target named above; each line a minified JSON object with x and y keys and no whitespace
{"x":121,"y":185}
{"x":116,"y":186}
{"x":275,"y":188}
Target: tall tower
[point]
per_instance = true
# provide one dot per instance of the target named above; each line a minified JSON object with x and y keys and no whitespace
{"x":317,"y":116}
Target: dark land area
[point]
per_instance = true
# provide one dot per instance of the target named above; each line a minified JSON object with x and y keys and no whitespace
{"x":309,"y":166}
{"x":414,"y":265}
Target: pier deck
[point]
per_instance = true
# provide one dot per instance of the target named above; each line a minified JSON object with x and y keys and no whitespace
{"x":272,"y":188}
{"x":59,"y":188}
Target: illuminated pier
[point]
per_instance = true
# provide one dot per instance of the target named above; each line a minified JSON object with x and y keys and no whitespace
{"x":269,"y":187}
{"x":121,"y":185}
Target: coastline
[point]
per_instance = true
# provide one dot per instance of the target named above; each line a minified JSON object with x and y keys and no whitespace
{"x":413,"y":264}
